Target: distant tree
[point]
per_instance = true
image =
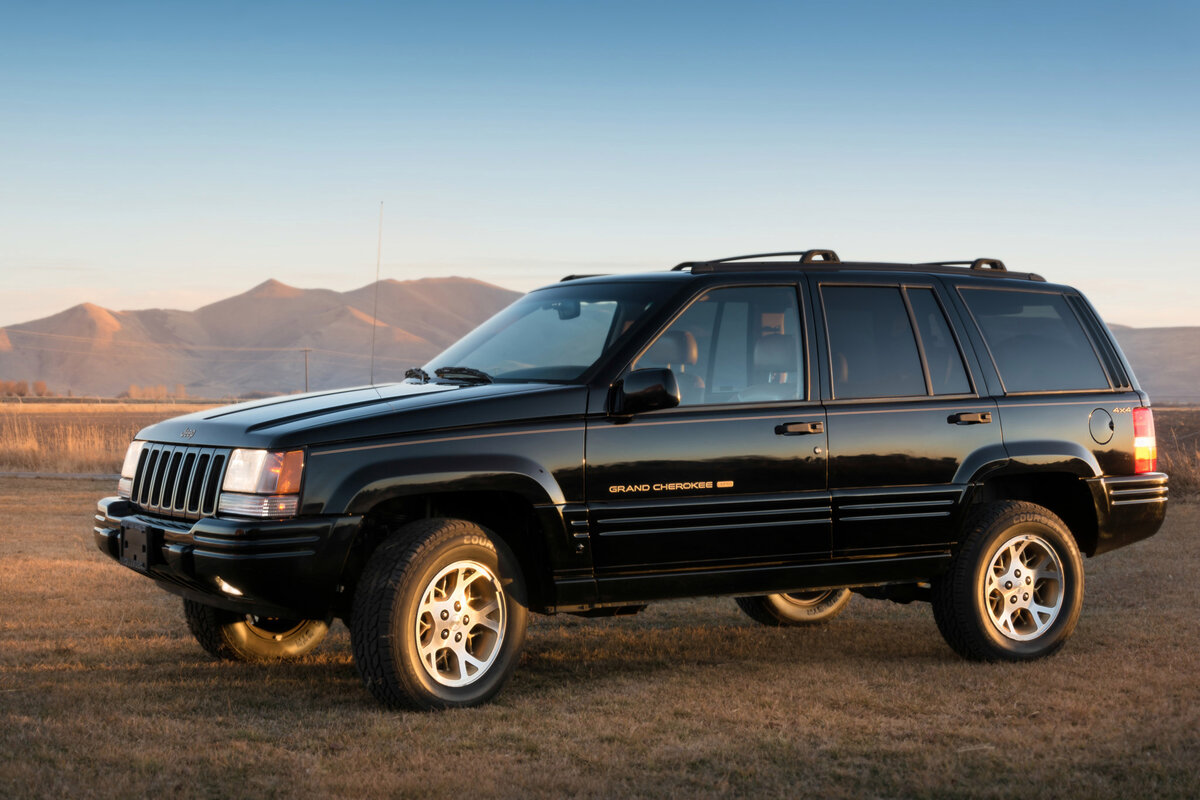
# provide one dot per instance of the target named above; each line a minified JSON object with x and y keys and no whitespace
{"x":21,"y":389}
{"x":180,"y":390}
{"x":40,"y":390}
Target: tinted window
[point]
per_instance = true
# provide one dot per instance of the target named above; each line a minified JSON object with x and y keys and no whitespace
{"x":734,"y":345}
{"x":947,"y":374}
{"x":1036,"y":341}
{"x":872,"y":349}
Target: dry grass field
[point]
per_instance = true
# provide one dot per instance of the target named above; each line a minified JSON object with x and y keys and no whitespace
{"x":103,"y":693}
{"x":1178,"y":431}
{"x":91,"y":438}
{"x":75,"y":437}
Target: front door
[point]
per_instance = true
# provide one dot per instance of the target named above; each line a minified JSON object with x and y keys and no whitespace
{"x":735,"y":476}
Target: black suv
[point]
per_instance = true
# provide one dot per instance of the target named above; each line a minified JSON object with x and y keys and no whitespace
{"x":782,"y":431}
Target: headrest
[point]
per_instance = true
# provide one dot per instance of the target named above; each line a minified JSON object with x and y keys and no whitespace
{"x":673,"y":347}
{"x":776,"y":353}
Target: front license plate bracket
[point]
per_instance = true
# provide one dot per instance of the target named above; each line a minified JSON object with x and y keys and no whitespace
{"x":137,"y":547}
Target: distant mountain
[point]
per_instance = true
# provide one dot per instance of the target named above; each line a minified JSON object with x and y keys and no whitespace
{"x":252,"y":342}
{"x":1166,"y":360}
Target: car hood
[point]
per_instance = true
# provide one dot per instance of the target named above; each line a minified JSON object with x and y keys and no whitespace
{"x":367,"y":412}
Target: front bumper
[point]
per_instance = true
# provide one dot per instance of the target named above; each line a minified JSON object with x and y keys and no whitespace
{"x":1129,"y":508}
{"x":277,"y":568}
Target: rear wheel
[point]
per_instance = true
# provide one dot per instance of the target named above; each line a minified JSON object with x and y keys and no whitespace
{"x":439,"y":616}
{"x":1015,"y":588}
{"x":245,"y":637}
{"x":795,"y":608}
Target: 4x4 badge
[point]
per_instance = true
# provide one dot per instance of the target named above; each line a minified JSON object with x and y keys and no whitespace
{"x":187,"y":433}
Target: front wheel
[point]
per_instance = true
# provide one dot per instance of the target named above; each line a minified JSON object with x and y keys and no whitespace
{"x":245,"y":637}
{"x":439,"y":616}
{"x":795,"y":608}
{"x":1014,"y":590}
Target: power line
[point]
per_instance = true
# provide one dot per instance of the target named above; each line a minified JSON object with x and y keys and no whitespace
{"x":183,"y":346}
{"x":181,"y":353}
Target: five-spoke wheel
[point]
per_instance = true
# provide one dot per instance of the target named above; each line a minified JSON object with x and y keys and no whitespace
{"x":439,"y":616}
{"x":1023,"y":587}
{"x":460,"y":623}
{"x":795,"y":608}
{"x":245,"y":637}
{"x":1015,"y":587}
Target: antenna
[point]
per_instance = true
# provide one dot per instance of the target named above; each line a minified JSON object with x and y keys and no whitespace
{"x":375,"y":310}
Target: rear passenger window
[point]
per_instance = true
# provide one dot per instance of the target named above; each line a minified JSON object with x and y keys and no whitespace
{"x":1035,"y":340}
{"x":872,"y":349}
{"x":947,"y":375}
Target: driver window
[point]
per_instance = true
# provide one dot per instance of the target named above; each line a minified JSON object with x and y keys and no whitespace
{"x":734,"y":345}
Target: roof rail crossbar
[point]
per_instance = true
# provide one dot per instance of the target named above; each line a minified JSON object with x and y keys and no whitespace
{"x":806,"y":257}
{"x":979,"y":263}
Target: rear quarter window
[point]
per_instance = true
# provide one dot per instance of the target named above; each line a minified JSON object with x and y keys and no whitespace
{"x":1036,"y":341}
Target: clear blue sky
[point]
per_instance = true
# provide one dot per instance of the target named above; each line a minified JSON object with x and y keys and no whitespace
{"x":170,"y":154}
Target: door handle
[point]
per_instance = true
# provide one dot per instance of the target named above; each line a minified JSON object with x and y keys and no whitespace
{"x":970,"y":418}
{"x":799,"y":428}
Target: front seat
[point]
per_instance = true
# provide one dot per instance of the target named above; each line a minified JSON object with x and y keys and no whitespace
{"x":777,"y":365}
{"x":677,"y":350}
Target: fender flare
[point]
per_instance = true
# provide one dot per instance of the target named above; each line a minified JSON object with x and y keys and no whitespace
{"x":1029,"y":456}
{"x":371,"y":484}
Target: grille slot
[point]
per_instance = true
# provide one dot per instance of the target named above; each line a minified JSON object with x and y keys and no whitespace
{"x":179,"y":481}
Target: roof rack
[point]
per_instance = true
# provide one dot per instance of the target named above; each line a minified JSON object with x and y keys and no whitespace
{"x":828,"y":260}
{"x":580,"y":277}
{"x":979,"y":263}
{"x":806,"y":257}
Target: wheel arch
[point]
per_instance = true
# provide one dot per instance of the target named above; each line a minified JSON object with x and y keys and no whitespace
{"x":1063,"y":492}
{"x":514,"y":496}
{"x":527,"y":528}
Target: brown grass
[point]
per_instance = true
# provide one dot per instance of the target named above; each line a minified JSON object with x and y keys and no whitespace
{"x":90,"y":438}
{"x":1178,"y":431}
{"x":103,"y":693}
{"x":75,"y":437}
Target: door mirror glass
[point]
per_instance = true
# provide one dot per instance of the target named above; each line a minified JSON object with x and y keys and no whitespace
{"x":645,"y":390}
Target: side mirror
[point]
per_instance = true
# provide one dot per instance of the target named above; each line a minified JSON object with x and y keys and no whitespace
{"x":645,"y":390}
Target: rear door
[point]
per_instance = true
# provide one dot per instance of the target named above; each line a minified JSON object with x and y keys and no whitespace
{"x":908,"y":420}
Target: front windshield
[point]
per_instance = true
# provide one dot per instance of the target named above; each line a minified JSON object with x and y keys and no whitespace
{"x":553,"y":334}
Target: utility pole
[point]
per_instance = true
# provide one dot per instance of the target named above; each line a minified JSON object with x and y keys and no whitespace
{"x":375,"y":310}
{"x":306,"y":351}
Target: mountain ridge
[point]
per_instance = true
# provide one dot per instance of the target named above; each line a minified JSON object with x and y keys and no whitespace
{"x":254,"y":341}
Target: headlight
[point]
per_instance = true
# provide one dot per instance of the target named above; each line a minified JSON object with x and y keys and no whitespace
{"x":129,"y":469}
{"x":262,"y":483}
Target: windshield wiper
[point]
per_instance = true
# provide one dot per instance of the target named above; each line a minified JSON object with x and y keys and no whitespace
{"x":465,"y":374}
{"x":418,"y":373}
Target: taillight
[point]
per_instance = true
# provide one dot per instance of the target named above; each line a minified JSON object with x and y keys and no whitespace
{"x":1145,"y":446}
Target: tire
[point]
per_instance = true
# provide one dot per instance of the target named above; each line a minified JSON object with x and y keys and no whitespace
{"x":796,"y":608}
{"x":1014,"y":590}
{"x":439,"y":616}
{"x":243,"y":637}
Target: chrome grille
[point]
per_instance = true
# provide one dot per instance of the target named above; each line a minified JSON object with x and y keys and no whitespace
{"x":179,"y":481}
